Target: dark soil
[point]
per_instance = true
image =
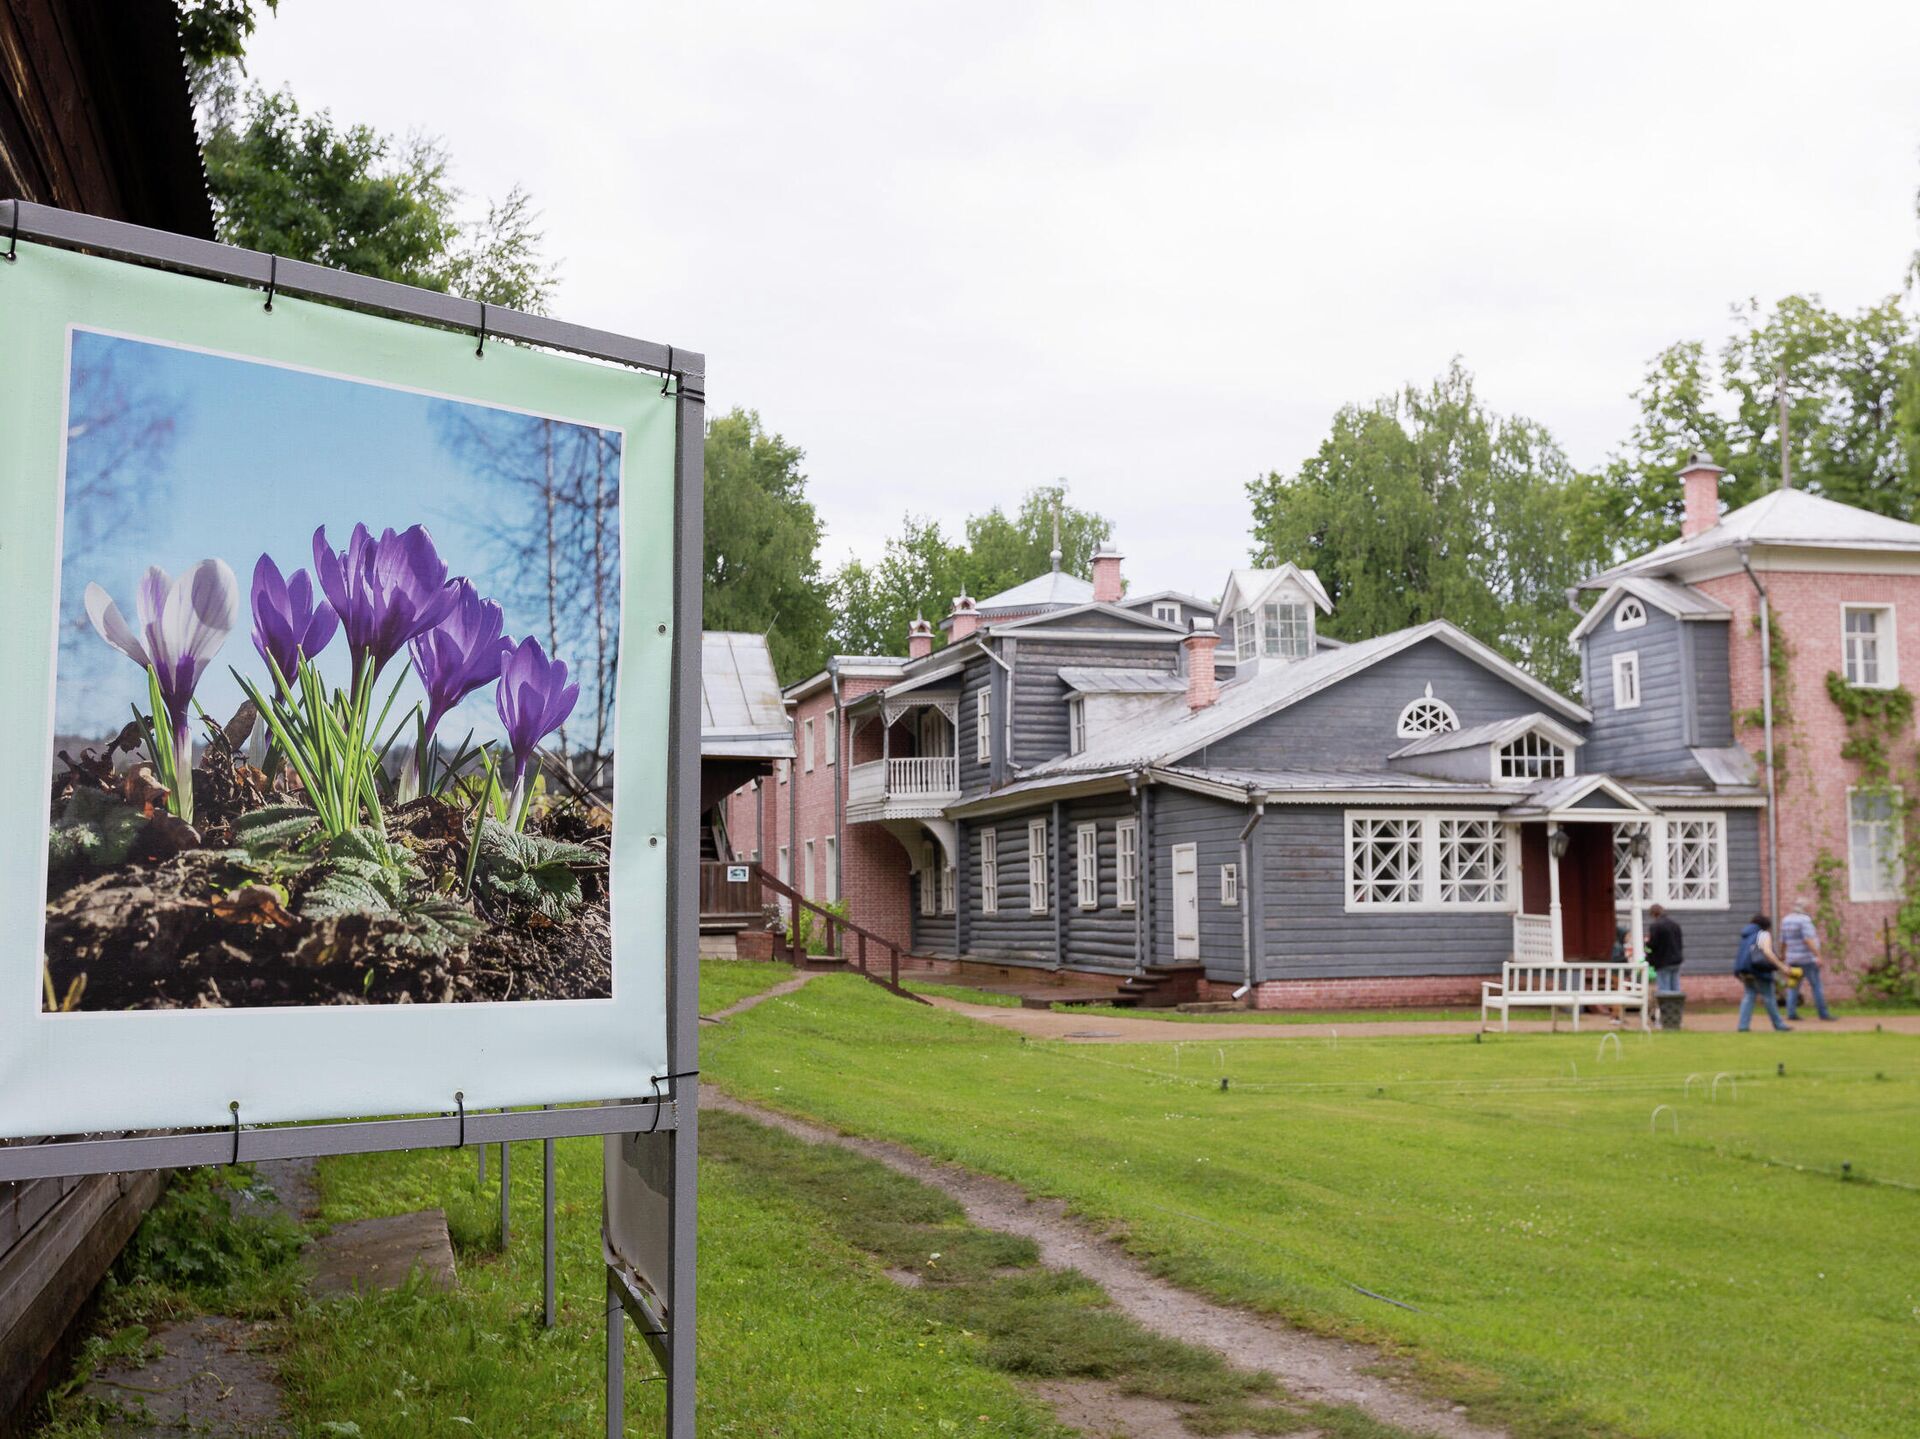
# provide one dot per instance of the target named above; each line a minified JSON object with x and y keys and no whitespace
{"x":175,"y":922}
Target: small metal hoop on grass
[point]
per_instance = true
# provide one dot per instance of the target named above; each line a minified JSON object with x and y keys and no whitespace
{"x":1601,"y":1053}
{"x":1653,"y":1125}
{"x":1733,"y":1086}
{"x":1686,"y":1090}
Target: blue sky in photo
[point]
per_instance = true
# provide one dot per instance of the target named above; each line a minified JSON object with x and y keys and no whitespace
{"x":258,"y":456}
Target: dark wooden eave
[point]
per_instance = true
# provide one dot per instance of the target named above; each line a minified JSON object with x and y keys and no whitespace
{"x":95,"y":113}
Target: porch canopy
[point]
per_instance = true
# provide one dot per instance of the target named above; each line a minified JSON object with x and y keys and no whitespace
{"x":1567,"y":875}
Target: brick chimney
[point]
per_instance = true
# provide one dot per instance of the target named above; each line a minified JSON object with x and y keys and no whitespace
{"x":964,"y":620}
{"x":1202,"y":688}
{"x":1107,"y":588}
{"x":919,"y":638}
{"x":1700,"y":484}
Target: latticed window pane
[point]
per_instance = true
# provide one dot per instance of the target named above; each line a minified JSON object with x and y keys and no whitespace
{"x":1623,"y":870}
{"x":1245,"y":640}
{"x":1532,"y":756}
{"x":1693,"y":861}
{"x":1427,"y":715}
{"x":1863,"y":628}
{"x":1126,"y":863}
{"x":1384,"y":856}
{"x":1473,"y":862}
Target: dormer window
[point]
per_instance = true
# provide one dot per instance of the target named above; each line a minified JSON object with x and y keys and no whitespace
{"x":1629,"y":614}
{"x":1426,"y":716}
{"x":1076,"y":725}
{"x":1278,"y":629}
{"x":1166,"y":611}
{"x":1532,"y":756}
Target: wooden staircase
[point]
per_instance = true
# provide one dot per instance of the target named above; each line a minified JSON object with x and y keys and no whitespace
{"x":1159,"y":989}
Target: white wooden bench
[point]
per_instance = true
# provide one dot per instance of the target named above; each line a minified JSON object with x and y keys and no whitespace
{"x":1534,"y":984}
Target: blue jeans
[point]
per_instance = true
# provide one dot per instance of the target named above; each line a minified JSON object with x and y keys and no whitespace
{"x":1667,"y":981}
{"x":1759,"y":986}
{"x":1812,"y":967}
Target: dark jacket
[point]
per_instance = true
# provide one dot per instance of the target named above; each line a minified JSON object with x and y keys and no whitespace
{"x":1664,"y":943}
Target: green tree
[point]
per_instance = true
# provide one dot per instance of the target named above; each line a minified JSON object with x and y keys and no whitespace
{"x":297,"y":184}
{"x":215,"y":32}
{"x":761,"y":571}
{"x":1427,"y":505}
{"x":1002,"y":549}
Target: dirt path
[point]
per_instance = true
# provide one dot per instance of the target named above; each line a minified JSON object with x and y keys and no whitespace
{"x":1310,"y":1367}
{"x":1113,"y":1029}
{"x":785,"y":986}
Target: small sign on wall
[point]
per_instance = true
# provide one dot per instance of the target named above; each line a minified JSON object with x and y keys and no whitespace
{"x":737,"y":874}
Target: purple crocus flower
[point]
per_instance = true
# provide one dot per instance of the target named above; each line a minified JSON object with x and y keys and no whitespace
{"x":460,"y":654}
{"x":289,"y":623}
{"x":534,"y":699}
{"x":385,"y":590}
{"x":183,"y":624}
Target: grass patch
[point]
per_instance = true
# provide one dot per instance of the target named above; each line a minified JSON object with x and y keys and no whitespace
{"x":728,"y":981}
{"x":966,"y":994}
{"x":1571,"y":1272}
{"x":1275,"y":1016}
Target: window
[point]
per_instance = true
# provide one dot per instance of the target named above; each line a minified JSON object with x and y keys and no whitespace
{"x":1166,"y":610}
{"x":1086,"y":865}
{"x":1696,"y":871}
{"x":947,"y":887}
{"x":1229,"y":885}
{"x":831,"y":880}
{"x":1623,"y":869}
{"x":1532,"y":756}
{"x":833,"y":734}
{"x":1867,"y":638}
{"x":1076,"y":725}
{"x":786,"y":866}
{"x":1874,"y":865}
{"x":983,"y":725}
{"x":1126,"y":863}
{"x":806,"y":885}
{"x":928,"y":899}
{"x":1383,"y":861}
{"x":806,"y":746}
{"x":1626,"y":681}
{"x":990,"y":871}
{"x":1037,"y":866}
{"x":1629,"y":614}
{"x":1288,"y":630}
{"x":1246,"y":641}
{"x":1473,"y":861}
{"x":1425,"y":716}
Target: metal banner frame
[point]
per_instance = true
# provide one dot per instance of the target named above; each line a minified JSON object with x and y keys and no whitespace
{"x":674,"y":1105}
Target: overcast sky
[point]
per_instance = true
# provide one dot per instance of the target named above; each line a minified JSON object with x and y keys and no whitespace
{"x":957,"y":251}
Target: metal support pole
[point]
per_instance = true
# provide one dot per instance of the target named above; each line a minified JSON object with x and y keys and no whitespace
{"x":506,"y":1189}
{"x":546,"y":1164}
{"x":481,"y":1150}
{"x":616,"y":1362}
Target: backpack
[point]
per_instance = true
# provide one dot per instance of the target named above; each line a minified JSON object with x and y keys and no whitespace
{"x":1743,"y":962}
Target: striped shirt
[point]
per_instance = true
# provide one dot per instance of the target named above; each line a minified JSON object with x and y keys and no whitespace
{"x":1799,"y":935}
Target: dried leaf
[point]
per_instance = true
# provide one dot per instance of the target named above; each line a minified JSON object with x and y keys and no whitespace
{"x":144,"y":792}
{"x":239,"y":729}
{"x":168,"y":835}
{"x":253,"y":904}
{"x":129,"y":738}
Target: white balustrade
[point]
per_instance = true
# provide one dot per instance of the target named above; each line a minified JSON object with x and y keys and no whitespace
{"x":1533,"y":939}
{"x":922,"y":775}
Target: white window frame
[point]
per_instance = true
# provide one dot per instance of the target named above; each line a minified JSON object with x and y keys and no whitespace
{"x":1425,"y":894}
{"x":1167,"y":611}
{"x":949,"y":882}
{"x":1894,"y":868}
{"x":786,"y":865}
{"x":1656,"y":882}
{"x":806,"y":885}
{"x":990,"y":871}
{"x":1126,"y":864}
{"x":1279,"y":622}
{"x":1230,"y":886}
{"x":983,"y":725}
{"x":1246,"y":636}
{"x":1413,"y":724}
{"x":1629,"y":614}
{"x":1076,"y":724}
{"x":830,"y":881}
{"x":1626,"y":680}
{"x":832,"y":735}
{"x":1886,"y":656}
{"x":1037,"y":866}
{"x":1505,"y":757}
{"x":1086,"y":865}
{"x":928,"y":900}
{"x":806,"y":745}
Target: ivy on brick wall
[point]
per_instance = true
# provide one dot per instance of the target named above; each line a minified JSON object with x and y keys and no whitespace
{"x":1780,"y":661}
{"x":1877,"y":720}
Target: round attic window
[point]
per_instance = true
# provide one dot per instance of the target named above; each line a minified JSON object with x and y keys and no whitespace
{"x":1426,"y":716}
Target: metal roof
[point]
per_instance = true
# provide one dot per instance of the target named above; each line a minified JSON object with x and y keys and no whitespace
{"x":1089,"y":680}
{"x":1730,"y":766}
{"x":742,"y":714}
{"x":1055,"y":587}
{"x":1683,"y":602}
{"x":1792,"y":519}
{"x":1493,"y":732}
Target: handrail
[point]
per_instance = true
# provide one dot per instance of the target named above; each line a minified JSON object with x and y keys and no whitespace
{"x":834,"y":923}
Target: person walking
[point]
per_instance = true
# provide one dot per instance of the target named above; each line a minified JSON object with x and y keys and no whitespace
{"x":1801,"y":940}
{"x":1664,"y":949}
{"x":1756,"y":964}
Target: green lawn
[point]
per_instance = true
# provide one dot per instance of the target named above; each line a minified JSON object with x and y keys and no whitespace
{"x":1571,"y":1272}
{"x":728,"y":981}
{"x":1273,"y":1016}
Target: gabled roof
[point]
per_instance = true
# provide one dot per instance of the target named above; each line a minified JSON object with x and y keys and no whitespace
{"x":1055,"y":587}
{"x":742,"y":714}
{"x":1683,"y":602}
{"x":1789,"y":518}
{"x":1246,"y":587}
{"x":1089,"y":680}
{"x":1166,"y":732}
{"x":1128,"y":617}
{"x":1559,"y":796}
{"x":1134,"y":602}
{"x":1492,"y":733}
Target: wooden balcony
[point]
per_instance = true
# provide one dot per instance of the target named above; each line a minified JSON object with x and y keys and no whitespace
{"x":916,"y":788}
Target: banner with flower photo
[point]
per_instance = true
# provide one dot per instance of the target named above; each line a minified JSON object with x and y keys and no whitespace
{"x":335,"y":753}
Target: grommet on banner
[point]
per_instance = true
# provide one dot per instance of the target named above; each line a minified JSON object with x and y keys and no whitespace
{"x":667,"y":378}
{"x":460,"y":1098}
{"x":480,"y":350}
{"x":233,"y":1107}
{"x":273,"y":280}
